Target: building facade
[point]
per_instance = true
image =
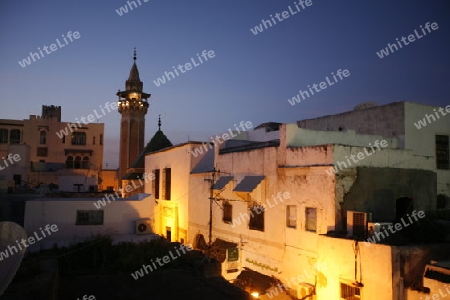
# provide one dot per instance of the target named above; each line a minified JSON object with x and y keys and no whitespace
{"x":49,"y":151}
{"x":421,"y":128}
{"x":280,"y":198}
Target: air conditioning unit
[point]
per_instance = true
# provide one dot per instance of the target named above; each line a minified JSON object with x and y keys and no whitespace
{"x":305,"y":291}
{"x":143,"y":226}
{"x":377,"y":227}
{"x":357,"y":223}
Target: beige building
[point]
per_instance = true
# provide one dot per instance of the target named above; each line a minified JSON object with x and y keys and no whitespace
{"x":66,"y":154}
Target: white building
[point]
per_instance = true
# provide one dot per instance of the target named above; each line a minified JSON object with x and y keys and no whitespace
{"x":421,"y":128}
{"x":79,"y":219}
{"x":179,"y":177}
{"x":289,"y":171}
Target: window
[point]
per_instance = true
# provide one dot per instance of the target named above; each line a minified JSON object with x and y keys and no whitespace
{"x":17,"y":179}
{"x":42,"y":151}
{"x":227,"y":212}
{"x":155,"y":184}
{"x":167,"y":172}
{"x":77,"y":164}
{"x":78,"y":138}
{"x":101,"y":139}
{"x":69,"y":162}
{"x":442,"y":152}
{"x":93,"y":140}
{"x":3,"y":136}
{"x":89,"y":217}
{"x":311,"y":219}
{"x":441,"y":201}
{"x":85,"y":163}
{"x":42,"y":137}
{"x":350,"y":292}
{"x":291,"y":216}
{"x":360,"y":219}
{"x":256,"y":218}
{"x":14,"y":136}
{"x":64,"y":139}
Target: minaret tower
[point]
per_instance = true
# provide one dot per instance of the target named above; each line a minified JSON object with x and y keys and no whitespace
{"x":132,"y":106}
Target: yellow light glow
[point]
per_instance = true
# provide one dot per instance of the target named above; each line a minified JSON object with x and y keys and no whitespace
{"x":255,"y":294}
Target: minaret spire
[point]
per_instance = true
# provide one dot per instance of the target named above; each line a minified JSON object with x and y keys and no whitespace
{"x":159,"y":123}
{"x":133,"y":106}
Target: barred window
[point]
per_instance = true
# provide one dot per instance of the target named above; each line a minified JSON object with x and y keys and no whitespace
{"x":3,"y":136}
{"x":78,"y":138}
{"x":350,"y":292}
{"x":14,"y":136}
{"x":89,"y":217}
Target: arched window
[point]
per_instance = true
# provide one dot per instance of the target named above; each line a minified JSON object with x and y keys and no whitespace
{"x":3,"y":136}
{"x":93,"y":140}
{"x":42,"y":137}
{"x":69,"y":162}
{"x":85,"y":163}
{"x":77,"y":164}
{"x":14,"y":136}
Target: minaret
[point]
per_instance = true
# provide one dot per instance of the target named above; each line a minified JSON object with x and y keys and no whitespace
{"x":132,"y":106}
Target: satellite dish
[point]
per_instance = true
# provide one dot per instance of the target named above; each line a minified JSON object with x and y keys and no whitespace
{"x":10,"y":259}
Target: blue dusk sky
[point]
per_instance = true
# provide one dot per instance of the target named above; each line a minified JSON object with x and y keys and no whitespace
{"x":250,"y":78}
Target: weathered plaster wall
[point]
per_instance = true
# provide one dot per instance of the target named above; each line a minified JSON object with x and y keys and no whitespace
{"x":373,"y":266}
{"x":375,"y":190}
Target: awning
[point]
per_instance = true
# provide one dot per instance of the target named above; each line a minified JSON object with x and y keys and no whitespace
{"x":222,"y":182}
{"x":248,"y":184}
{"x":255,"y":281}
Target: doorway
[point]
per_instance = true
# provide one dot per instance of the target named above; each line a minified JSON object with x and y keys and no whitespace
{"x":403,"y":206}
{"x":169,"y":234}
